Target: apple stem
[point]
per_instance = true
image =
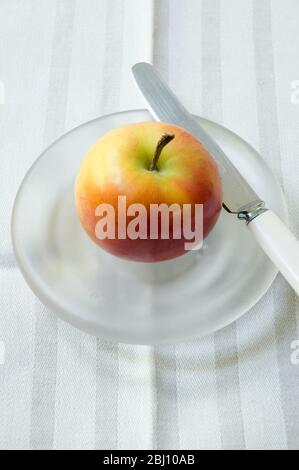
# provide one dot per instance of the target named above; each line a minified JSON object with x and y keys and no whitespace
{"x":165,"y":139}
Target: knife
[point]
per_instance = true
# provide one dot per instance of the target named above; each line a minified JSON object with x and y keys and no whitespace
{"x":240,"y":199}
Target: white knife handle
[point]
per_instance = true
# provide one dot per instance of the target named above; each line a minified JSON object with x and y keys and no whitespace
{"x":279,"y":244}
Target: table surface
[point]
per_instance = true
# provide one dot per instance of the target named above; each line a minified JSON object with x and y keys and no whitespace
{"x":65,"y":62}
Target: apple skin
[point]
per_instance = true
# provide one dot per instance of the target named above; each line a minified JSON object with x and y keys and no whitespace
{"x":118,"y":164}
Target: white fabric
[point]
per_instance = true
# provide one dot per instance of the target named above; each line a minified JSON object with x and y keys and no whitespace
{"x":65,"y":62}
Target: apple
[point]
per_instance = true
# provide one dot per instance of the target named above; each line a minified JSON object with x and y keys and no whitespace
{"x":148,"y":163}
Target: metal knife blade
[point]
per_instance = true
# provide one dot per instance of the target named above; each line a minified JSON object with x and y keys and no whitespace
{"x":164,"y":106}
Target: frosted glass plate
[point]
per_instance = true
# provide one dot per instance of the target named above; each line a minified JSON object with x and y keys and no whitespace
{"x":119,"y":300}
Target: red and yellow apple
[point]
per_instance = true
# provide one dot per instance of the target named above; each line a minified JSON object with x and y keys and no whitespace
{"x":128,"y":161}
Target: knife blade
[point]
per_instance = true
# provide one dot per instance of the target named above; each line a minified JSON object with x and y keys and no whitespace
{"x":270,"y":232}
{"x":165,"y":106}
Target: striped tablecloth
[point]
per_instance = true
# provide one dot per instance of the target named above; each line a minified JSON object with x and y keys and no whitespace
{"x":64,"y":62}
